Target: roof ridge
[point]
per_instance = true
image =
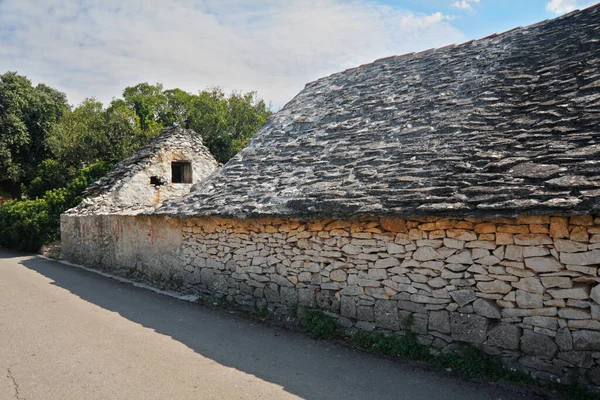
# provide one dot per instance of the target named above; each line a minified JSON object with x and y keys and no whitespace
{"x":452,"y":45}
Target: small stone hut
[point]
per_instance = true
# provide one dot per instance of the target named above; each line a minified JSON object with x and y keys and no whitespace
{"x":166,"y":168}
{"x":97,"y":232}
{"x":456,"y":188}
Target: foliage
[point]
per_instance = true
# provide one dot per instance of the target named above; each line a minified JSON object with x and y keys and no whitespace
{"x":27,"y":115}
{"x":226,"y":123}
{"x":405,"y":346}
{"x":90,"y":134}
{"x":79,"y":138}
{"x":25,"y":225}
{"x":50,"y":175}
{"x":124,"y":133}
{"x":28,"y":224}
{"x":149,"y":102}
{"x":319,"y":325}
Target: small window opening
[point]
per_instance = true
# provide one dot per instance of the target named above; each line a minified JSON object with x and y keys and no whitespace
{"x":181,"y":172}
{"x":156,"y":181}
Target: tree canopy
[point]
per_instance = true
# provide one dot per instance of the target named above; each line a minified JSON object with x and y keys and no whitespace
{"x":27,"y":116}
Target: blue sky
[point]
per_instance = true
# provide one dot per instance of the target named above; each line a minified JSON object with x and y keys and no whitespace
{"x":96,"y":48}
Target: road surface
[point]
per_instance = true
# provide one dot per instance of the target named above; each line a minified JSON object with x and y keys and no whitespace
{"x":66,"y":333}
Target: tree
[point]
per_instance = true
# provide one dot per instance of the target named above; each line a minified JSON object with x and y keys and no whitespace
{"x":149,"y":103}
{"x":80,"y":137}
{"x":27,"y":115}
{"x":226,"y":123}
{"x":179,"y":103}
{"x":123,"y":132}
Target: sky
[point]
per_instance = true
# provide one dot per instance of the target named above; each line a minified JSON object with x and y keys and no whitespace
{"x":90,"y":48}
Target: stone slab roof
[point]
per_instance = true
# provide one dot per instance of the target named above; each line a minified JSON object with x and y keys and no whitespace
{"x":502,"y":126}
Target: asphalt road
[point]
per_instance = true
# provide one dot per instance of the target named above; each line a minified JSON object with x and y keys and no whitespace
{"x":66,"y":333}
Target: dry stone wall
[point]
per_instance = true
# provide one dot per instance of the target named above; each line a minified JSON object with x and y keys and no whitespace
{"x":525,"y":289}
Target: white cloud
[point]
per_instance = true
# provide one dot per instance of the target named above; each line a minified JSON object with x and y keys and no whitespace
{"x":464,"y":4}
{"x":565,"y":6}
{"x":90,"y":48}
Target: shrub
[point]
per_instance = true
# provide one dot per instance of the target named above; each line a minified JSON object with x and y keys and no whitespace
{"x":50,"y":175}
{"x":29,"y":224}
{"x":25,"y":225}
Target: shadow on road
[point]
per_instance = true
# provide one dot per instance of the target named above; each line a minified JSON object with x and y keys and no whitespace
{"x":304,"y":367}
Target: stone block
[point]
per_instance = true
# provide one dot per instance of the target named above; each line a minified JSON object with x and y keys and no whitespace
{"x":454,"y":243}
{"x":519,"y":313}
{"x":564,"y":340}
{"x":439,"y":321}
{"x":426,"y":253}
{"x":543,"y":264}
{"x":393,"y":248}
{"x":542,"y":322}
{"x":496,"y":286}
{"x":387,"y":262}
{"x":533,"y":219}
{"x":412,"y":306}
{"x":377,"y":274}
{"x":348,"y":307}
{"x":365,"y":313}
{"x":595,"y":294}
{"x":531,"y":285}
{"x":569,"y":246}
{"x":532,"y":239}
{"x":529,"y":300}
{"x":587,"y":258}
{"x":585,"y":324}
{"x":469,"y":328}
{"x":513,"y":228}
{"x":504,"y":238}
{"x":559,"y":227}
{"x":573,"y":313}
{"x":586,"y":340}
{"x":538,"y":345}
{"x":580,"y":293}
{"x":352,"y":290}
{"x":386,"y":314}
{"x":351,"y":249}
{"x":289,"y":296}
{"x":461,"y":258}
{"x":326,"y":300}
{"x":463,"y":297}
{"x":506,"y":336}
{"x":514,"y":253}
{"x":392,"y":224}
{"x":461,"y":234}
{"x":338,"y":275}
{"x":271,"y":292}
{"x":582,"y":220}
{"x":486,"y":308}
{"x":563,"y":282}
{"x":535,"y":251}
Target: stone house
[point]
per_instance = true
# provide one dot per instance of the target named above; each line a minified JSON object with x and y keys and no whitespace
{"x":167,"y":167}
{"x":457,"y":188}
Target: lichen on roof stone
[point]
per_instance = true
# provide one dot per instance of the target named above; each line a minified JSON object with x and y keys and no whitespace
{"x":501,"y":126}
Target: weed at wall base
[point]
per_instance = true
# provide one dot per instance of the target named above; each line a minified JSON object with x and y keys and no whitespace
{"x":467,"y":360}
{"x":319,"y":325}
